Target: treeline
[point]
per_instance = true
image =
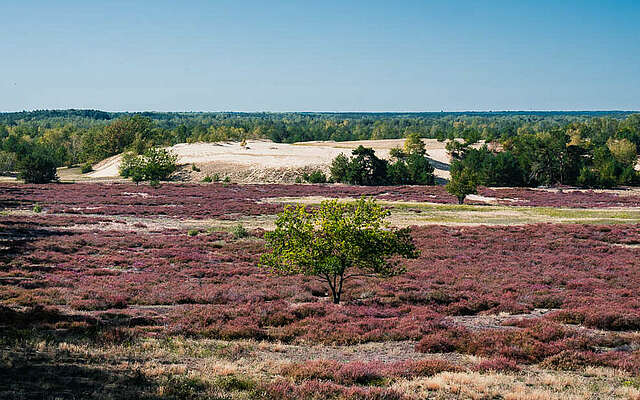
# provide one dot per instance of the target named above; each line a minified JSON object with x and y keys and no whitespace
{"x":557,"y":157}
{"x":533,"y":140}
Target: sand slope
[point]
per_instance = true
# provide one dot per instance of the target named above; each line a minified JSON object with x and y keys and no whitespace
{"x":266,"y":161}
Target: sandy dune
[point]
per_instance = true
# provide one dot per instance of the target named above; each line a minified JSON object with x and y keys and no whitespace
{"x":266,"y":161}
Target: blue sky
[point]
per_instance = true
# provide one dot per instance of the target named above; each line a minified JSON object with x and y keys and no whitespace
{"x":320,"y":56}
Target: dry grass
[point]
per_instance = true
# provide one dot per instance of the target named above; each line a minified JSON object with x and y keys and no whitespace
{"x":212,"y":366}
{"x":531,"y":384}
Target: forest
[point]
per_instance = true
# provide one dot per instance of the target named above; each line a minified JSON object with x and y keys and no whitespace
{"x":591,"y":149}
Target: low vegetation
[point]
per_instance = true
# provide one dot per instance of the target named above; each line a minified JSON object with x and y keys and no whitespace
{"x":153,"y":165}
{"x":125,"y":291}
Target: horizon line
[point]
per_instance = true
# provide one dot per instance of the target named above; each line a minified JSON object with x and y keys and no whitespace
{"x":328,"y":112}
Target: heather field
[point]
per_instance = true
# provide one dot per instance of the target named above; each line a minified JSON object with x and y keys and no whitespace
{"x":126,"y":291}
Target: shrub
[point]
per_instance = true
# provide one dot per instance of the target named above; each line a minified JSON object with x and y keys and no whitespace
{"x":193,"y":232}
{"x":183,"y":387}
{"x":154,"y":165}
{"x":363,"y":168}
{"x":440,"y":341}
{"x":37,"y":208}
{"x":37,"y":165}
{"x":132,"y":166}
{"x":207,"y":179}
{"x":235,"y":382}
{"x":339,"y":168}
{"x":498,"y":364}
{"x":315,"y":177}
{"x":8,"y":162}
{"x":410,"y":169}
{"x":239,"y":232}
{"x":86,"y":168}
{"x":363,"y":373}
{"x":568,"y":360}
{"x":462,"y":183}
{"x":414,"y":144}
{"x":195,"y":168}
{"x":411,"y":166}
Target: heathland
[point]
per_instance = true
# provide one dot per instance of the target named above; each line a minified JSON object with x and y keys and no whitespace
{"x":115,"y":290}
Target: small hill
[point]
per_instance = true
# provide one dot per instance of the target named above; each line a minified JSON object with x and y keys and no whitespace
{"x":266,"y":161}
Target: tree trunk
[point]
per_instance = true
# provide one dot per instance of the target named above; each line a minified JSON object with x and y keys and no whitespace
{"x":461,"y":199}
{"x":336,"y":288}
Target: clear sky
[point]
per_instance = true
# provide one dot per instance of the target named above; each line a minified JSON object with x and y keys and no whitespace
{"x":272,"y":55}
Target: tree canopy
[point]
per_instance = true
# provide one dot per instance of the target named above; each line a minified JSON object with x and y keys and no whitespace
{"x":575,"y":148}
{"x":336,"y":242}
{"x":154,"y":164}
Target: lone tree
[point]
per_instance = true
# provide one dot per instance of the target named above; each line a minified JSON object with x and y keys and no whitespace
{"x":462,"y":183}
{"x":36,"y":164}
{"x":413,"y":144}
{"x":336,"y":242}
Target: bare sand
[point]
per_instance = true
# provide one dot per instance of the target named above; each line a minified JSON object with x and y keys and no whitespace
{"x":266,"y":161}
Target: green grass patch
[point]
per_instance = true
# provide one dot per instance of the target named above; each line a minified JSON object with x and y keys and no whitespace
{"x":573,"y":213}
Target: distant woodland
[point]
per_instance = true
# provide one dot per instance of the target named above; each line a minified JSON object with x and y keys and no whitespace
{"x":592,"y":149}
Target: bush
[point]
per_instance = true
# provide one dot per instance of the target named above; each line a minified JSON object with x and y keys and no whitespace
{"x":462,"y":184}
{"x":207,"y":179}
{"x":339,"y":168}
{"x":492,"y":169}
{"x":131,"y":166}
{"x":315,"y":177}
{"x":86,"y":168}
{"x":37,"y":208}
{"x":410,"y":169}
{"x":154,"y":165}
{"x":498,"y":364}
{"x":8,"y":162}
{"x":37,"y":165}
{"x":363,"y":168}
{"x":568,"y":360}
{"x":239,"y":232}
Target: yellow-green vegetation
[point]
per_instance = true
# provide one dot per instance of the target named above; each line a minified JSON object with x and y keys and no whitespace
{"x":416,"y":213}
{"x":184,"y":368}
{"x":421,"y":213}
{"x":331,"y":240}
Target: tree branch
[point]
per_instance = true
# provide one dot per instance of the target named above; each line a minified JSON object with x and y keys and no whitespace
{"x":358,"y":275}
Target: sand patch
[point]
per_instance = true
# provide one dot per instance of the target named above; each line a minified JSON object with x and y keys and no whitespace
{"x":266,"y":161}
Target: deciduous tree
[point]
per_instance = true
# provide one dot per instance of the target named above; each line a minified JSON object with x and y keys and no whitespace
{"x":336,"y":242}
